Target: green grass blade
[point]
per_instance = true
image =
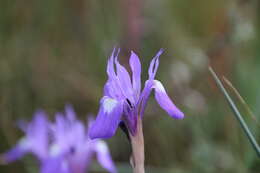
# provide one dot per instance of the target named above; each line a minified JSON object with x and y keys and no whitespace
{"x":236,"y":113}
{"x":241,"y":99}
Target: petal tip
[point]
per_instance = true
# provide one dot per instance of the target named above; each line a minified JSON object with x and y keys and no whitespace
{"x":160,"y":52}
{"x":176,"y":114}
{"x":180,"y":115}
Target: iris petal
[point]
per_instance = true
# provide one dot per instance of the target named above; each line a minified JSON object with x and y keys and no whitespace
{"x":37,"y":134}
{"x":35,"y":140}
{"x":144,"y":96}
{"x":55,"y":165}
{"x":136,"y":70}
{"x":125,"y":81}
{"x":107,"y":119}
{"x":165,"y":102}
{"x":104,"y":157}
{"x":154,"y":65}
{"x":70,"y":113}
{"x":17,"y":152}
{"x":110,"y":65}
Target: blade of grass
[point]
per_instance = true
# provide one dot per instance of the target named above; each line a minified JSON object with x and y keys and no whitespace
{"x":242,"y":100}
{"x":236,"y":112}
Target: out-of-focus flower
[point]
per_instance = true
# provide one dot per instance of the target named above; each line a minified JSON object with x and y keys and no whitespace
{"x":123,"y":99}
{"x":61,"y":147}
{"x":35,"y":140}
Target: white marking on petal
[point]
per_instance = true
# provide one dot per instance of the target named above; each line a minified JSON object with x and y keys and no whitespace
{"x":54,"y":150}
{"x":158,"y":85}
{"x":24,"y":143}
{"x":109,"y":104}
{"x":101,"y":147}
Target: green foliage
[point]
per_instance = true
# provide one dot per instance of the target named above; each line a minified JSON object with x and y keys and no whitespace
{"x":55,"y":52}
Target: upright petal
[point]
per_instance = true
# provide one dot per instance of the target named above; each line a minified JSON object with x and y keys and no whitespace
{"x":108,"y":118}
{"x":154,"y":65}
{"x":113,"y":89}
{"x":110,"y":65}
{"x":124,"y":80}
{"x":165,"y":102}
{"x":37,"y":134}
{"x":103,"y":156}
{"x":136,"y":73}
{"x":113,"y":86}
{"x":70,"y":113}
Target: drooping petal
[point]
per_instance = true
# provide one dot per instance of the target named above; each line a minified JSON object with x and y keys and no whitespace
{"x":35,"y":140}
{"x":165,"y":102}
{"x":136,"y":70}
{"x":103,"y":156}
{"x":144,"y":97}
{"x":154,"y":65}
{"x":108,"y":118}
{"x":17,"y":152}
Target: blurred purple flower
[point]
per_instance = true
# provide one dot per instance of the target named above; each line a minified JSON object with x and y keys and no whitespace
{"x":63,"y":146}
{"x":35,"y":141}
{"x":123,"y":100}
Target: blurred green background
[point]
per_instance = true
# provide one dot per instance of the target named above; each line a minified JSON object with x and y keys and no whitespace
{"x":54,"y":52}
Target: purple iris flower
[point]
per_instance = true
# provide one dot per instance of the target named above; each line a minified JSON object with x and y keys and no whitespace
{"x":123,"y":100}
{"x":35,"y":141}
{"x":63,"y":146}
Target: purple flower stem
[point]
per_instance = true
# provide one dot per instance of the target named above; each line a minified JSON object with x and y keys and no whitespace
{"x":137,"y":142}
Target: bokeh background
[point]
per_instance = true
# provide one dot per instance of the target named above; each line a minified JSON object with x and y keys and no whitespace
{"x":54,"y":52}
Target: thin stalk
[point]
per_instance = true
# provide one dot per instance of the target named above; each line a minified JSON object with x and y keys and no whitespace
{"x":241,"y":99}
{"x":236,"y":112}
{"x":137,"y":142}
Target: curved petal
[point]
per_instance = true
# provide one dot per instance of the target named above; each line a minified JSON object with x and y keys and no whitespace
{"x":144,"y":97}
{"x":107,"y":120}
{"x":154,"y":65}
{"x":103,"y":156}
{"x":35,"y":140}
{"x":165,"y":102}
{"x":136,"y":70}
